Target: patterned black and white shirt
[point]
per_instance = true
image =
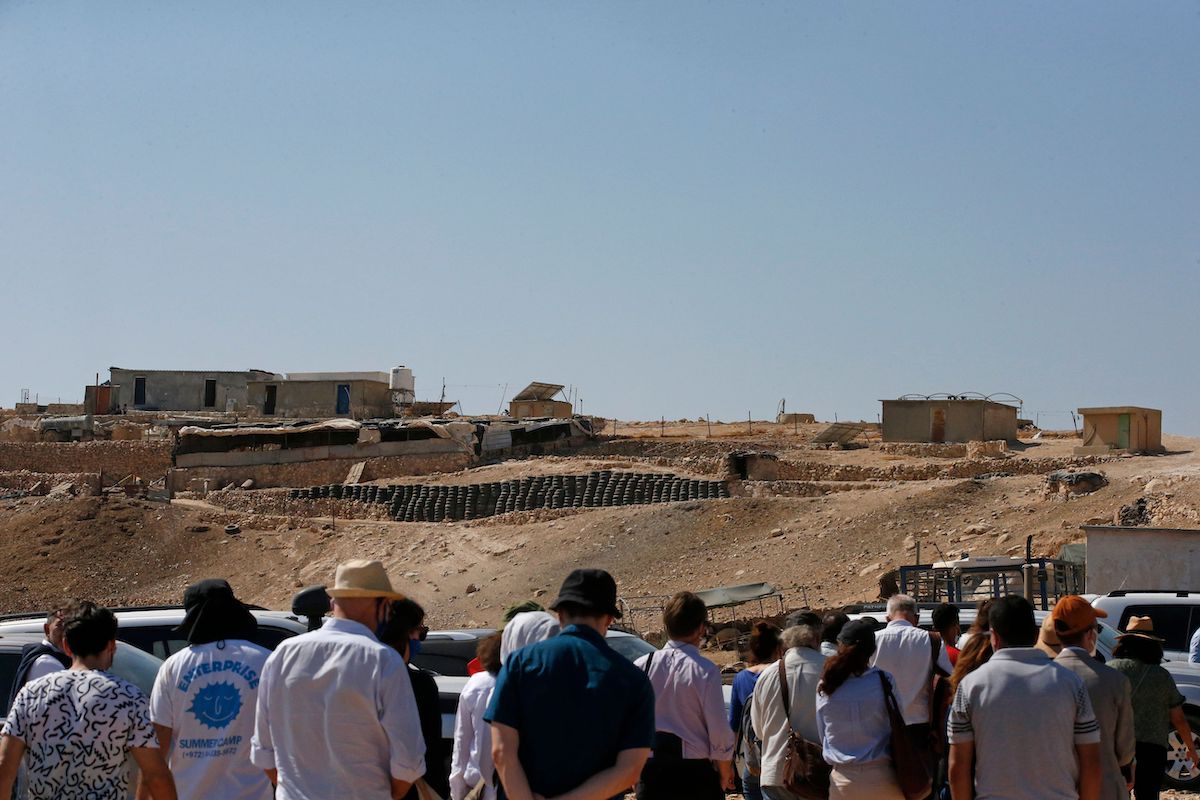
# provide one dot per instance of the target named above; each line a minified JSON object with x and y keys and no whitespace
{"x":78,"y":727}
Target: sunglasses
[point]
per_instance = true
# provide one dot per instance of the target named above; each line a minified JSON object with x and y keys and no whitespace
{"x":422,"y":632}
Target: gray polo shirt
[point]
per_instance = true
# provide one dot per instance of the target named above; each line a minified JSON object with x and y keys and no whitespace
{"x":1025,"y":715}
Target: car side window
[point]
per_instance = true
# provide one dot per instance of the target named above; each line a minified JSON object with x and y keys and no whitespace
{"x":8,"y":673}
{"x":271,"y":637}
{"x":442,"y":664}
{"x":1173,"y":622}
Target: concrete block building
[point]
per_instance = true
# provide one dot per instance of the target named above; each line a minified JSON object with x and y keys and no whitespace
{"x":179,"y":390}
{"x":948,"y":420}
{"x":354,"y":395}
{"x":1131,"y":429}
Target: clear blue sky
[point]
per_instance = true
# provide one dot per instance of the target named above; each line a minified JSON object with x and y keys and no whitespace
{"x":679,"y":207}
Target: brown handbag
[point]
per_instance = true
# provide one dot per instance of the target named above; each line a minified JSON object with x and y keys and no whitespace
{"x":804,"y":772}
{"x":911,"y":772}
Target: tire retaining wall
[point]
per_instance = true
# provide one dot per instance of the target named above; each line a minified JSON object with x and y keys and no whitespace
{"x":435,"y":503}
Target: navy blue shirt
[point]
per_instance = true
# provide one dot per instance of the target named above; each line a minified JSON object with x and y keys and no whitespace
{"x":576,"y":703}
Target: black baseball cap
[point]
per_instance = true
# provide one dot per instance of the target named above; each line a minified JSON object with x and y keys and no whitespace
{"x":592,"y":589}
{"x":859,"y":633}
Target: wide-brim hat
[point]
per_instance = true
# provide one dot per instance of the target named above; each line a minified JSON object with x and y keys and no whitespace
{"x":591,"y":589}
{"x":1048,"y":641}
{"x":362,"y":578}
{"x":212,"y":613}
{"x":1142,"y":627}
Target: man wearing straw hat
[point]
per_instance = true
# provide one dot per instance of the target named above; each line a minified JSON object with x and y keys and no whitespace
{"x":336,"y":714}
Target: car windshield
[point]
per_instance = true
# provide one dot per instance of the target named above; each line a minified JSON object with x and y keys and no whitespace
{"x":135,"y":666}
{"x":630,"y":646}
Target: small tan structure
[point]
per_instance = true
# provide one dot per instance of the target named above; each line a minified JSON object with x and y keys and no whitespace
{"x":948,"y":420}
{"x":1129,"y":429}
{"x":537,"y":400}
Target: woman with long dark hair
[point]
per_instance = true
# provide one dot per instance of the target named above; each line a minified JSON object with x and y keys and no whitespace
{"x":977,"y":648}
{"x":853,"y":720}
{"x":1157,"y":705}
{"x":764,"y":649}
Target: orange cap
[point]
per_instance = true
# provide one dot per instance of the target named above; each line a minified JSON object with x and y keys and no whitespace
{"x":1073,"y":615}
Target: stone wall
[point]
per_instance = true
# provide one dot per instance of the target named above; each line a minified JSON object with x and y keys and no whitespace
{"x":795,"y":488}
{"x":24,"y":480}
{"x":922,"y":450}
{"x":966,"y":468}
{"x":314,"y":473}
{"x":146,"y":460}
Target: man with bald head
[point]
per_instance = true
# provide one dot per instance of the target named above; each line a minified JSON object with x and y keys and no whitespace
{"x":336,"y":714}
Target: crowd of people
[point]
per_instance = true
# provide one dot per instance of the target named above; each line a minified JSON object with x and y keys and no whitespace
{"x":827,"y":706}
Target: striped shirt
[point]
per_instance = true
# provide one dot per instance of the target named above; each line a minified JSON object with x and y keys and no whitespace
{"x":1026,"y":715}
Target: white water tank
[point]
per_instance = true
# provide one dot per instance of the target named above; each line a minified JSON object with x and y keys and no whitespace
{"x":403,"y":384}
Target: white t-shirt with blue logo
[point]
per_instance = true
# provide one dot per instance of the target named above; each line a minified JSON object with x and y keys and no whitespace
{"x":206,"y":695}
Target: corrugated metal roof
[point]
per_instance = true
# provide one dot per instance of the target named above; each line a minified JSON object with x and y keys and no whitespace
{"x":539,"y":391}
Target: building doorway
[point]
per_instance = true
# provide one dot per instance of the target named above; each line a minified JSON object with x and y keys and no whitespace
{"x":937,"y":425}
{"x":343,"y":399}
{"x":1123,"y":432}
{"x":210,"y":393}
{"x":139,"y":392}
{"x":269,"y":402}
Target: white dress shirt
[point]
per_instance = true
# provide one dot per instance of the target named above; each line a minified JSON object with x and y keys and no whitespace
{"x":804,"y":668}
{"x":472,"y":759}
{"x":904,"y":651}
{"x":689,"y":701}
{"x":336,"y":716}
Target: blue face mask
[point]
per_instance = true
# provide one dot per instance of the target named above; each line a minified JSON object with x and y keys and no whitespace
{"x":414,"y":647}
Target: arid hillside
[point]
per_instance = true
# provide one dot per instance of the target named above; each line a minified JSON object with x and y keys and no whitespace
{"x":824,"y":532}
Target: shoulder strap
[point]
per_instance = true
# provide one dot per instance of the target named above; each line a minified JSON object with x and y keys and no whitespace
{"x":889,"y":699}
{"x":1145,"y":672}
{"x":935,"y":650}
{"x":649,"y":661}
{"x":785,"y":692}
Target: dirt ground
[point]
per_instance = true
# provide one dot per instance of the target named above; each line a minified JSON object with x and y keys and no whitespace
{"x":820,"y":551}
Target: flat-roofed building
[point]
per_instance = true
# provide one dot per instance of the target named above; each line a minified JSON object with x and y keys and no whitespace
{"x":355,"y":395}
{"x":179,"y":389}
{"x":948,"y":420}
{"x":1130,"y":429}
